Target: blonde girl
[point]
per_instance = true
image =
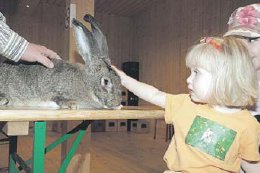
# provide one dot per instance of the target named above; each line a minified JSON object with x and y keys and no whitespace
{"x":214,"y":131}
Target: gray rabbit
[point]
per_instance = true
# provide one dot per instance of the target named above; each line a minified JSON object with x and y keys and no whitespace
{"x":94,"y":85}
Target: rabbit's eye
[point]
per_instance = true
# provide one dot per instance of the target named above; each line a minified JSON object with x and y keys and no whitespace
{"x":106,"y":81}
{"x":106,"y":84}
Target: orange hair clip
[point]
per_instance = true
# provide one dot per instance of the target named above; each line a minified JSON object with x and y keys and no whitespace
{"x":213,"y":41}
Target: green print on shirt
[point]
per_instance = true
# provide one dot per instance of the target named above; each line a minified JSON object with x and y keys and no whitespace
{"x":210,"y":137}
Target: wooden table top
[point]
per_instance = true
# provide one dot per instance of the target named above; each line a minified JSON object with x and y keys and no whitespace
{"x":35,"y":114}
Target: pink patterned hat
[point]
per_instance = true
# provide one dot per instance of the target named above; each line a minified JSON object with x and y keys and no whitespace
{"x":245,"y":21}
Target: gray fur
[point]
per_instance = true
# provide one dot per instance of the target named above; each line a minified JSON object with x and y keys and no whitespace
{"x":93,"y":85}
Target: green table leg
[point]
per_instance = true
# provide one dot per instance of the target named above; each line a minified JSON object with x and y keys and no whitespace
{"x":39,"y":147}
{"x":82,"y":129}
{"x":12,"y":166}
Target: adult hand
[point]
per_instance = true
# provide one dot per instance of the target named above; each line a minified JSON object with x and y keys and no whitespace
{"x":41,"y":54}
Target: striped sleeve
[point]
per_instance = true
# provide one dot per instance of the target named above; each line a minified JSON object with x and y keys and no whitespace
{"x":12,"y":46}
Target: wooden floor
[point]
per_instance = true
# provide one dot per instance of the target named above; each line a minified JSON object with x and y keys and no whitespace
{"x":111,"y":152}
{"x":127,"y":153}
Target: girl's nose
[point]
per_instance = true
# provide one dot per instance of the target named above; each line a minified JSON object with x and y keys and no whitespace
{"x":189,"y":79}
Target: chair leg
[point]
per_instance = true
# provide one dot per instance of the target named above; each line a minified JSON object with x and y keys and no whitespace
{"x":171,"y":131}
{"x":155,"y":129}
{"x":12,"y":151}
{"x":167,"y":133}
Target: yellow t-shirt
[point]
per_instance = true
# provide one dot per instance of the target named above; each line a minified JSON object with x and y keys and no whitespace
{"x":207,"y":141}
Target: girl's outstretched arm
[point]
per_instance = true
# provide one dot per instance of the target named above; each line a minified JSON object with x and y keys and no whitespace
{"x":142,"y":90}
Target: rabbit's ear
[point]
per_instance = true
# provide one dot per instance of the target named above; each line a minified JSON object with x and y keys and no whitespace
{"x":99,"y":37}
{"x":86,"y":43}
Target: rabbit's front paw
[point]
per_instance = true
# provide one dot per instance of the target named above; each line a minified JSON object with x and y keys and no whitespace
{"x":74,"y":106}
{"x":70,"y":105}
{"x":64,"y":103}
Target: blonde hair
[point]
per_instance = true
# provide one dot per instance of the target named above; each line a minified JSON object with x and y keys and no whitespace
{"x":234,"y":76}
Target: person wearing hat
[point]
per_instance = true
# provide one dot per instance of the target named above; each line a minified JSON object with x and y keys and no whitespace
{"x":244,"y":24}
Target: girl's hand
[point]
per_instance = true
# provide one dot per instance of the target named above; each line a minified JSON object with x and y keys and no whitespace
{"x":142,"y":90}
{"x":250,"y":167}
{"x":119,"y":72}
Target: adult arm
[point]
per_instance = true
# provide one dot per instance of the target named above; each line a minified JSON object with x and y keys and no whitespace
{"x":12,"y":46}
{"x":15,"y":47}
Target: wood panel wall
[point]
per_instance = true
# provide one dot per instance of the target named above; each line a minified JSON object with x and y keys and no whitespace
{"x":162,"y":35}
{"x":119,"y":32}
{"x":44,"y":25}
